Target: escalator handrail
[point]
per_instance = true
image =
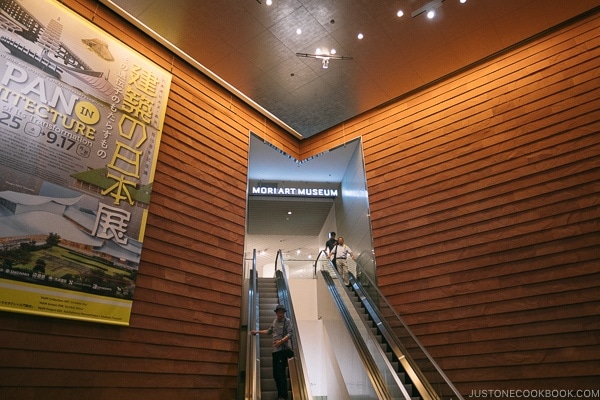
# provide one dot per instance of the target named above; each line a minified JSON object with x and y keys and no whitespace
{"x":390,"y":368}
{"x":373,"y":371}
{"x":252,"y":382}
{"x":299,"y":380}
{"x":414,"y":371}
{"x":396,"y":347}
{"x":317,"y":262}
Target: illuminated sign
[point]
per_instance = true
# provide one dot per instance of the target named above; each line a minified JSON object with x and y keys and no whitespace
{"x":294,"y":191}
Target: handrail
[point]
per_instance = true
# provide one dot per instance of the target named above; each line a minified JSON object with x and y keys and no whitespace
{"x":317,"y":262}
{"x":373,"y":371}
{"x":252,"y":383}
{"x":394,"y":378}
{"x":298,"y":378}
{"x":296,"y":387}
{"x":395,"y":346}
{"x":423,"y":382}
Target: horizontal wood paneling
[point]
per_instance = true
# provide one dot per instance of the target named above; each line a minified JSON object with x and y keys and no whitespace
{"x":183,"y":338}
{"x":484,"y":196}
{"x":485,"y":209}
{"x":484,"y":203}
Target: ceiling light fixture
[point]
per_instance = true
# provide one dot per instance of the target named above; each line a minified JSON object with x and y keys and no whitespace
{"x":428,"y":8}
{"x":324,"y":56}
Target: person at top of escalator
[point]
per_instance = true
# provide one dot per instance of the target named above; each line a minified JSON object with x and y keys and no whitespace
{"x":340,"y":253}
{"x":329,"y":246}
{"x":282,"y":331}
{"x":330,"y":243}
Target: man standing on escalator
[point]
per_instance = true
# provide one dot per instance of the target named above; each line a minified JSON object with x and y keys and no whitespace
{"x":341,"y":253}
{"x":282,"y":332}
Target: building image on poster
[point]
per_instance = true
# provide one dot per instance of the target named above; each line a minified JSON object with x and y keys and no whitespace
{"x":81,"y":117}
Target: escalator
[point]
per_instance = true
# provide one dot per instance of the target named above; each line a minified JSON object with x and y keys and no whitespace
{"x":264,"y":295}
{"x":268,"y":300}
{"x":404,"y":370}
{"x":371,"y":353}
{"x":363,"y":354}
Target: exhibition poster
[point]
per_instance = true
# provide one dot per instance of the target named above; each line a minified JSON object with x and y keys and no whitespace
{"x":81,"y":117}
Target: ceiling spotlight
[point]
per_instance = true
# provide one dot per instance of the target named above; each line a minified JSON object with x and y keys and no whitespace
{"x":298,"y":31}
{"x":428,"y":8}
{"x":400,"y":13}
{"x":269,"y":2}
{"x":463,"y":1}
{"x":324,"y":56}
{"x":360,"y":36}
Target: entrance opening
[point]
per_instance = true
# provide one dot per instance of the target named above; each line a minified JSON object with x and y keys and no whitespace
{"x":292,"y":205}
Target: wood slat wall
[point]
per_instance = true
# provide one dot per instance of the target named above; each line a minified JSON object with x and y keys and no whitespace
{"x":484,"y":204}
{"x":484,"y":192}
{"x":184,"y":333}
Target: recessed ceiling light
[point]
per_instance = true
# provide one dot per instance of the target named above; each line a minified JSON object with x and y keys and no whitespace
{"x":360,"y":36}
{"x":269,"y":2}
{"x":430,"y":14}
{"x":298,"y":31}
{"x":400,"y":13}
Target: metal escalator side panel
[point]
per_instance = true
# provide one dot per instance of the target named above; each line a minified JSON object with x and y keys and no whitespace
{"x":355,"y":350}
{"x":299,"y":379}
{"x":252,"y":379}
{"x":423,"y":372}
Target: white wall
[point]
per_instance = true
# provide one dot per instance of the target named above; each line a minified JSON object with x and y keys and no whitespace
{"x":334,"y":367}
{"x":352,"y":207}
{"x":304,"y":300}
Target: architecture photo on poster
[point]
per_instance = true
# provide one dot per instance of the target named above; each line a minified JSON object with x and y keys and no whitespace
{"x":81,"y":117}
